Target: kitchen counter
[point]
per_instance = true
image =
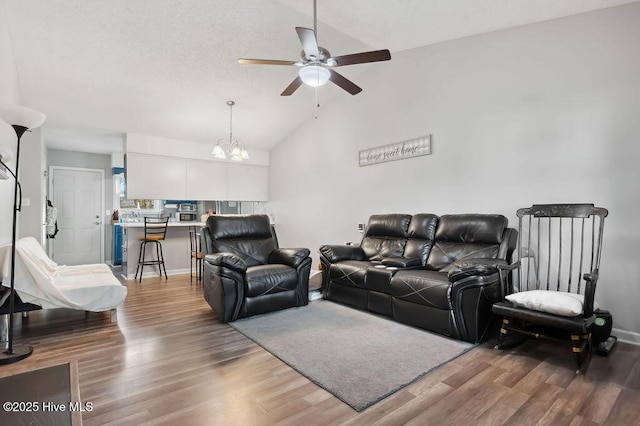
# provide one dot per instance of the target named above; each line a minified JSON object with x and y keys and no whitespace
{"x":176,"y":247}
{"x":170,"y":224}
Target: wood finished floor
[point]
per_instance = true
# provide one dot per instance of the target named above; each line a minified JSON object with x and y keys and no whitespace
{"x":169,"y":361}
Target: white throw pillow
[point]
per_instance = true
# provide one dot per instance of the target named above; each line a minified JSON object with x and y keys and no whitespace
{"x":553,"y":302}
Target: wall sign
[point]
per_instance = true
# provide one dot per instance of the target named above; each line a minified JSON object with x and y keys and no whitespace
{"x":397,"y":151}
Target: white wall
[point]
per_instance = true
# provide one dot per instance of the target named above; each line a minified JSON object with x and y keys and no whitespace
{"x":538,"y":114}
{"x":9,"y":94}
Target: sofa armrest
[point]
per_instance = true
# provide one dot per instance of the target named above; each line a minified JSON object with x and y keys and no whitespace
{"x":227,"y":260}
{"x":336,"y":253}
{"x":289,"y":256}
{"x":474,"y":268}
{"x":401,"y":262}
{"x":476,"y":284}
{"x":471,"y":299}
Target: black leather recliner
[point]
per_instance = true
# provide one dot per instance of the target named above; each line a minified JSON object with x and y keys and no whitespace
{"x":245,"y":273}
{"x":436,"y":273}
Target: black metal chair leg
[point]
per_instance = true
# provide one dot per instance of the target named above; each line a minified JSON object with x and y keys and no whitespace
{"x":161,"y":259}
{"x":191,"y":268}
{"x":135,"y":277}
{"x":143,"y":254}
{"x":158,"y":259}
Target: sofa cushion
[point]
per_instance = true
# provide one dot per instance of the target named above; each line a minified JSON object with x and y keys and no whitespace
{"x":350,"y":272}
{"x":385,"y":236}
{"x":270,"y":279}
{"x":429,"y":288}
{"x":471,"y":228}
{"x":466,"y":236}
{"x":421,"y":234}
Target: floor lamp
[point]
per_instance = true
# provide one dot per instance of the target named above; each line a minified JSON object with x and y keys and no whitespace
{"x":21,"y":119}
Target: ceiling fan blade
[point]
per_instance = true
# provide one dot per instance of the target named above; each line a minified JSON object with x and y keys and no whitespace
{"x":292,"y":87}
{"x":347,"y":85}
{"x":360,"y":58}
{"x":265,"y":62}
{"x":309,"y":43}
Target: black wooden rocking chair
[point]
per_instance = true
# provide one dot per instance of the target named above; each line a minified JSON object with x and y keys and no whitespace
{"x":559,"y":245}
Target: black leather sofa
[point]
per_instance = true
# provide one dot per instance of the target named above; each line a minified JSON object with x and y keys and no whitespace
{"x":245,"y":273}
{"x":435,"y":273}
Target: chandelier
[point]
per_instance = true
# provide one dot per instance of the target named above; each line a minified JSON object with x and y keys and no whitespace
{"x":230,"y":148}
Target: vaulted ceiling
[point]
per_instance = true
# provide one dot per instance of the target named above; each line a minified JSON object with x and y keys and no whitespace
{"x":101,"y":68}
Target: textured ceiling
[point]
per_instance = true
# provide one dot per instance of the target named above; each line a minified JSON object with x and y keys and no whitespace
{"x":101,"y":68}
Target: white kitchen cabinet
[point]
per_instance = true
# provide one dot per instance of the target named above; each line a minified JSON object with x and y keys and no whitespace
{"x":156,"y":177}
{"x":162,"y":177}
{"x":206,"y":180}
{"x":247,"y":182}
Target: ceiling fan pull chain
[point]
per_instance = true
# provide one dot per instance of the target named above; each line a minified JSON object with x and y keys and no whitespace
{"x":317,"y":103}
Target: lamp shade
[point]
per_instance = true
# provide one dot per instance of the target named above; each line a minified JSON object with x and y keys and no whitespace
{"x":218,"y":152}
{"x":15,"y":115}
{"x":6,"y":153}
{"x":314,"y":75}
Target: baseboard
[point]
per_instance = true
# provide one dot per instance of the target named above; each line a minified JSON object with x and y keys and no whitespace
{"x":626,"y":336}
{"x":155,"y":274}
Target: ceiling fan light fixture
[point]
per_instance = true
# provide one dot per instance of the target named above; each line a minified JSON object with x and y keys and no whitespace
{"x":314,"y":75}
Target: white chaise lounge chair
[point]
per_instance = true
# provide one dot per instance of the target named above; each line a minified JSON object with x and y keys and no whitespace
{"x":41,"y":281}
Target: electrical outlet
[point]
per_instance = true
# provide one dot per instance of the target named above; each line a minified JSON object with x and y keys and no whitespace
{"x":361,"y":227}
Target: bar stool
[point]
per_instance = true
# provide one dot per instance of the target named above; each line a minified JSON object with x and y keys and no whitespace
{"x":196,"y":254}
{"x":155,"y":230}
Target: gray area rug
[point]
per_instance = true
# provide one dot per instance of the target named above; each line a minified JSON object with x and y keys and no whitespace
{"x":359,"y":357}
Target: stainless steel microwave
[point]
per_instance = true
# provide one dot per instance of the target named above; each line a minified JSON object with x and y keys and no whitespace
{"x":187,"y":217}
{"x":187,"y":208}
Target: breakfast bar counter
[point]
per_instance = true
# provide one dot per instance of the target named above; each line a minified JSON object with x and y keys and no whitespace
{"x":175,"y":247}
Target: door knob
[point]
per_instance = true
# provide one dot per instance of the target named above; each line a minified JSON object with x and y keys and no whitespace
{"x":97,"y":223}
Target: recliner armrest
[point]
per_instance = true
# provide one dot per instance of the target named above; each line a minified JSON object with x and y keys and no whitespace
{"x":474,"y":268}
{"x":227,"y":260}
{"x":336,"y":253}
{"x":401,"y":262}
{"x":289,"y":256}
{"x":206,"y":243}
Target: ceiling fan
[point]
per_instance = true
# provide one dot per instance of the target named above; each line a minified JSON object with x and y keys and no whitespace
{"x":316,"y":64}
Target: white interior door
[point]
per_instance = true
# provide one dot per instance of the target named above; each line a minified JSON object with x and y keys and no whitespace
{"x":78,"y":196}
